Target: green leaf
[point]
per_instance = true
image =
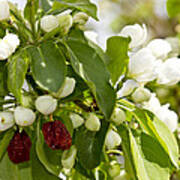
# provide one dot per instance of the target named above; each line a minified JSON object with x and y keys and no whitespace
{"x":146,"y":156}
{"x":17,"y":69}
{"x":81,"y":5}
{"x":49,"y":158}
{"x":117,"y":50}
{"x":3,"y":79}
{"x":88,"y":64}
{"x":44,"y":4}
{"x":48,"y":66}
{"x":173,"y":8}
{"x":160,"y":131}
{"x":90,"y":145}
{"x":4,"y":142}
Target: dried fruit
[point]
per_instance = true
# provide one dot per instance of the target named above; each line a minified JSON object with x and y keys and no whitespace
{"x":19,"y":148}
{"x":56,"y":135}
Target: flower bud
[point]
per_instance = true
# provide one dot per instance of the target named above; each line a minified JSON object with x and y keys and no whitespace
{"x":68,"y":157}
{"x":80,"y":18}
{"x":141,"y":94}
{"x":65,"y":23}
{"x":6,"y":120}
{"x":127,"y":88}
{"x":114,"y":170}
{"x":49,"y":22}
{"x":4,"y":10}
{"x":77,"y":120}
{"x":24,"y":116}
{"x":13,"y":41}
{"x":92,"y":122}
{"x":46,"y":104}
{"x":112,"y":139}
{"x":118,"y":116}
{"x":67,"y":88}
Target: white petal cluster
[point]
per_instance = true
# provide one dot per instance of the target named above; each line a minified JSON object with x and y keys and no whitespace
{"x":24,"y":116}
{"x":46,"y":104}
{"x":4,"y":10}
{"x":137,"y":33}
{"x":142,"y":66}
{"x":163,"y":112}
{"x":8,"y":45}
{"x":112,"y":139}
{"x":6,"y":120}
{"x":154,"y":61}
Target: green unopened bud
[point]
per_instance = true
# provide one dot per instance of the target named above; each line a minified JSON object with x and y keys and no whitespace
{"x":76,"y":119}
{"x":65,"y":23}
{"x":112,"y":139}
{"x":80,"y":18}
{"x":92,"y":122}
{"x":27,"y":101}
{"x":68,"y":157}
{"x":114,"y":170}
{"x":141,"y":94}
{"x":118,"y":116}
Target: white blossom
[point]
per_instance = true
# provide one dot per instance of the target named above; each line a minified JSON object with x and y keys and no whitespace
{"x":141,"y":94}
{"x":80,"y":18}
{"x":160,"y":48}
{"x":68,"y":157}
{"x":168,"y":72}
{"x":137,"y":33}
{"x":49,"y":22}
{"x":112,"y":139}
{"x":6,"y":120}
{"x":118,"y":116}
{"x":67,"y":88}
{"x":76,"y":119}
{"x":12,"y":40}
{"x":8,"y":45}
{"x":127,"y":88}
{"x":92,"y":122}
{"x":142,"y":66}
{"x":4,"y":10}
{"x":24,"y":116}
{"x":46,"y":104}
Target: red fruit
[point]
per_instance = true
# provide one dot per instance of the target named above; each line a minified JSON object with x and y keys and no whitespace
{"x":19,"y":148}
{"x":56,"y":135}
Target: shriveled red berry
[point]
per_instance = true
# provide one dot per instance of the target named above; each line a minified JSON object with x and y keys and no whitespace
{"x":56,"y":135}
{"x":19,"y":148}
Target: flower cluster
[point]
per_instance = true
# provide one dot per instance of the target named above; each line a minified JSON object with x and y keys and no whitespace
{"x":153,"y":61}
